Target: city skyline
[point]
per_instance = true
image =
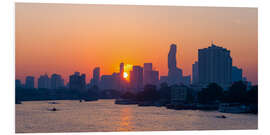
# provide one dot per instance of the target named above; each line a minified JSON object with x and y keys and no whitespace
{"x":59,"y":54}
{"x":214,"y":65}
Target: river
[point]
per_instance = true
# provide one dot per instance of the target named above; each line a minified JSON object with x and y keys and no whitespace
{"x":104,"y":115}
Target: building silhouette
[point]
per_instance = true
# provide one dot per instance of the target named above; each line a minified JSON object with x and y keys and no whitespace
{"x":18,"y":83}
{"x":175,"y":74}
{"x":121,"y":80}
{"x":236,"y":74}
{"x":136,"y":78}
{"x":30,"y":82}
{"x":195,"y":72}
{"x":107,"y":82}
{"x":117,"y":81}
{"x":247,"y":83}
{"x":215,"y":66}
{"x":186,"y":80}
{"x":96,"y":77}
{"x":77,"y":81}
{"x":44,"y":82}
{"x":122,"y":70}
{"x":179,"y":94}
{"x":163,"y":79}
{"x":56,"y":81}
{"x":149,"y":75}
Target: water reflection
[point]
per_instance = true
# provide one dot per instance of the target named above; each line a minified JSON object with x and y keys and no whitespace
{"x":125,"y":122}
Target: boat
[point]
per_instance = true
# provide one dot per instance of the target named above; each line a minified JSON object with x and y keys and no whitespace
{"x":53,"y":102}
{"x":89,"y":99}
{"x":222,"y":117}
{"x":181,"y":106}
{"x":207,"y":106}
{"x":145,"y":103}
{"x":232,"y":108}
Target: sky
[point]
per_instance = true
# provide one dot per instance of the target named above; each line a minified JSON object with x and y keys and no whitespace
{"x":64,"y":38}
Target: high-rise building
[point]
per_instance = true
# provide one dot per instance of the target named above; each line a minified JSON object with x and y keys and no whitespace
{"x":195,"y":73}
{"x":117,"y":81}
{"x":147,"y":67}
{"x":77,"y":81}
{"x":136,"y":78}
{"x":44,"y":82}
{"x":96,"y":77}
{"x":57,"y":81}
{"x":18,"y":83}
{"x":122,"y":70}
{"x":30,"y":82}
{"x":236,"y":74}
{"x":175,"y":74}
{"x":150,"y":76}
{"x":215,"y":66}
{"x":155,"y":77}
{"x":107,"y":82}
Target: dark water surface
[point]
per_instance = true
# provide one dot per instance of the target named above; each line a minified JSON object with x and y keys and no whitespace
{"x":104,"y":115}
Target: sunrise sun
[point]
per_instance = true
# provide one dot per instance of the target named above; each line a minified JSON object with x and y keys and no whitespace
{"x":125,"y":75}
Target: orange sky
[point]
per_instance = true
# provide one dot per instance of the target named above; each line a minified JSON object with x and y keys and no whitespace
{"x":62,"y":38}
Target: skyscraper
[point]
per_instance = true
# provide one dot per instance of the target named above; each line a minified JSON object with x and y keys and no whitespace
{"x":77,"y":81}
{"x":215,"y":66}
{"x":150,"y":76}
{"x":122,"y":70}
{"x":96,"y":76}
{"x":110,"y":81}
{"x":147,"y":67}
{"x":29,"y":82}
{"x":195,"y":72}
{"x":155,"y":77}
{"x":56,"y":81}
{"x":18,"y":83}
{"x":44,"y":82}
{"x":236,"y":74}
{"x":136,"y":78}
{"x":147,"y":73}
{"x":175,"y":74}
{"x":106,"y":82}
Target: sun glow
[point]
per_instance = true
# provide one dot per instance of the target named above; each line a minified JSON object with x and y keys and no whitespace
{"x":125,"y":75}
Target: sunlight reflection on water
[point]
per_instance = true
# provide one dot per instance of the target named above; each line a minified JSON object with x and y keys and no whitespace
{"x":104,"y":115}
{"x":125,"y":123}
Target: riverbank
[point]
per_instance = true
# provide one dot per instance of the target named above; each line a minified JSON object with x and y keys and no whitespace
{"x":192,"y":106}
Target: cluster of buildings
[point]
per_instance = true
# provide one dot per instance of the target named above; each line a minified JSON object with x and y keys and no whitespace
{"x":44,"y":82}
{"x":214,"y":65}
{"x":137,"y":78}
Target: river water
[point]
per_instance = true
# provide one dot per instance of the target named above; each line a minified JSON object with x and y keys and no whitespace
{"x":104,"y":115}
